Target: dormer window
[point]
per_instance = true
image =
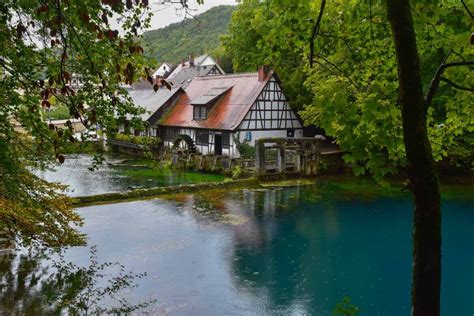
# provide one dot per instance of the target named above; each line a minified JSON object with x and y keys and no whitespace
{"x":205,"y":102}
{"x":200,"y":112}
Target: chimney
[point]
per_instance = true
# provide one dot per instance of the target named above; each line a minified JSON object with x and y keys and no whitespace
{"x":263,"y":72}
{"x":183,"y":62}
{"x":158,"y":81}
{"x":191,"y":60}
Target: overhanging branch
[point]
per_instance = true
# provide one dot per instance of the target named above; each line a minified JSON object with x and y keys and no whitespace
{"x":437,"y":77}
{"x":455,"y":85}
{"x":467,"y":9}
{"x":314,"y":33}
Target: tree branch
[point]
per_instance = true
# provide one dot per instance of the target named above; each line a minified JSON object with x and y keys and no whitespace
{"x":339,"y":70}
{"x":437,"y":77}
{"x":467,"y":9}
{"x":342,"y":39}
{"x":456,"y":85}
{"x":314,"y":33}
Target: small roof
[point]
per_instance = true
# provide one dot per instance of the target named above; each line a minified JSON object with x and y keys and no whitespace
{"x":229,"y":112}
{"x":150,"y":100}
{"x":211,"y":95}
{"x":185,"y":75}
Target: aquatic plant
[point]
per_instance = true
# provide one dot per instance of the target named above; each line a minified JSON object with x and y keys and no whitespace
{"x":345,"y":308}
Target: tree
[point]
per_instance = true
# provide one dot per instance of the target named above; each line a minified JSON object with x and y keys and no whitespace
{"x":353,"y":83}
{"x":421,"y":165}
{"x":421,"y":169}
{"x":44,"y":46}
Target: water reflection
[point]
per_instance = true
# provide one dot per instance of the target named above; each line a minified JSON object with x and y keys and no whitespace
{"x":20,"y":293}
{"x":304,"y":249}
{"x":40,"y":282}
{"x":278,"y":251}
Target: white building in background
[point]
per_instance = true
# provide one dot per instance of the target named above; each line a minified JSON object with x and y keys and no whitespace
{"x":200,"y":66}
{"x":163,"y":71}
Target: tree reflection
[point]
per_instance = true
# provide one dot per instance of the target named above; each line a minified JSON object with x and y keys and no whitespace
{"x":264,"y":260}
{"x":297,"y":251}
{"x":31,"y":283}
{"x":21,"y":290}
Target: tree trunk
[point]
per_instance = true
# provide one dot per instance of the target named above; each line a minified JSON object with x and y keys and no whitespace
{"x":422,"y":173}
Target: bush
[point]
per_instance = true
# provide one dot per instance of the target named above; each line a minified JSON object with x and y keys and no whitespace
{"x":236,"y":172}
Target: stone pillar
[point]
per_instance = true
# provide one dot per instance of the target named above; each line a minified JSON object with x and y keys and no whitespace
{"x":281,"y":163}
{"x":259,"y":158}
{"x":318,"y":157}
{"x":298,"y":160}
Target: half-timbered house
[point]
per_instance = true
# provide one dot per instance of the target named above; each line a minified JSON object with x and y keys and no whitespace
{"x":219,"y":112}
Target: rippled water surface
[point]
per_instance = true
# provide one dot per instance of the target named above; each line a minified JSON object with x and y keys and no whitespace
{"x":118,"y":173}
{"x":280,"y":251}
{"x":269,"y":251}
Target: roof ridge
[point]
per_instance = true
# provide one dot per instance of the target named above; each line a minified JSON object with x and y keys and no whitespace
{"x":241,"y":74}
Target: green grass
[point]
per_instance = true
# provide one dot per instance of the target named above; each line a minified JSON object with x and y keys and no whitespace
{"x":57,"y":113}
{"x":88,"y":147}
{"x":145,"y":171}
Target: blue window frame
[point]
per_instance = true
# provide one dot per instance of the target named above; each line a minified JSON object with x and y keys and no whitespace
{"x":248,"y":136}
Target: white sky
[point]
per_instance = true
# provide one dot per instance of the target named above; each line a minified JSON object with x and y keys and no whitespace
{"x":168,"y":13}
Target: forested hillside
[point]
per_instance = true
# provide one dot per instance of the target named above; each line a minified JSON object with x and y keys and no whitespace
{"x":199,"y":35}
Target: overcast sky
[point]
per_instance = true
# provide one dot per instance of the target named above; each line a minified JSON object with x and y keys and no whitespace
{"x":168,"y":13}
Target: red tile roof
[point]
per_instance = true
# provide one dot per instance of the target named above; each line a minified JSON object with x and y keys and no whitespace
{"x":229,"y":112}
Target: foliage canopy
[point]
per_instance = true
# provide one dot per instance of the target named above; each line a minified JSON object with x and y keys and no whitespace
{"x":44,"y":45}
{"x":351,"y":91}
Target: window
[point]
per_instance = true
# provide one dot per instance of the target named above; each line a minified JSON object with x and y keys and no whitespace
{"x":290,"y":132}
{"x":171,"y":134}
{"x":248,"y":136}
{"x":200,"y":112}
{"x":202,"y":137}
{"x":225,"y":139}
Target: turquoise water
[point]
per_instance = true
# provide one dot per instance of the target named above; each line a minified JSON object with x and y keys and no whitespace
{"x":279,"y":251}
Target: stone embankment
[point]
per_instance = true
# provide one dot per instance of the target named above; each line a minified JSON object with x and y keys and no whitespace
{"x":155,"y":192}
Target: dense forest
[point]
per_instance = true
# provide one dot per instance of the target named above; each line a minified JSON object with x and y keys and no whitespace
{"x":199,"y":35}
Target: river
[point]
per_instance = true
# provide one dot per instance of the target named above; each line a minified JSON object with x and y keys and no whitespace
{"x":277,"y":251}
